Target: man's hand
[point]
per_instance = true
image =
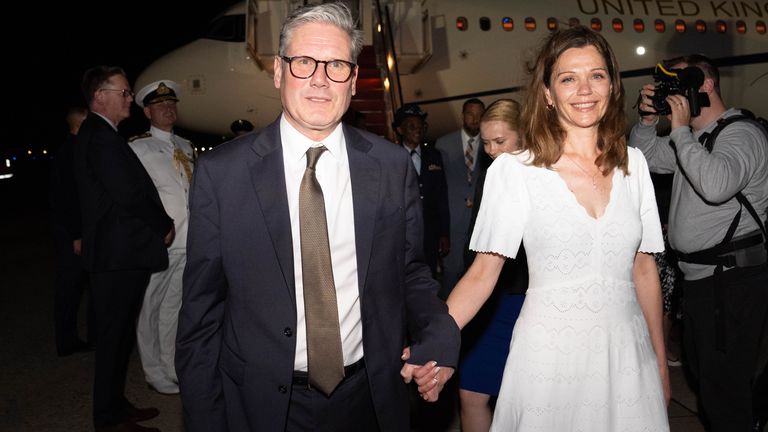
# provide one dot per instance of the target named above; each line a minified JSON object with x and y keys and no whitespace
{"x":681,"y":112}
{"x":646,"y":105}
{"x":77,"y":246}
{"x":429,"y":377}
{"x":170,"y":236}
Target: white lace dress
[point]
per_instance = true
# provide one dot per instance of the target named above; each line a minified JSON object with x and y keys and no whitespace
{"x":580,"y":358}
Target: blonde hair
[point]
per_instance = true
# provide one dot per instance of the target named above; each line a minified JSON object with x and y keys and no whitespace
{"x":543,"y":135}
{"x":503,"y":110}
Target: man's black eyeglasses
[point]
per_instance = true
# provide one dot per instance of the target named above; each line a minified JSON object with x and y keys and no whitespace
{"x":303,"y":67}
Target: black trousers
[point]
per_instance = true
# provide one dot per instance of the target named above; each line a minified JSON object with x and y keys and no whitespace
{"x":117,"y":298}
{"x":71,"y":281}
{"x":348,"y":409}
{"x":728,"y":393}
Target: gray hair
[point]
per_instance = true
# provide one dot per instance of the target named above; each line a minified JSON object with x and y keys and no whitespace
{"x":336,"y":14}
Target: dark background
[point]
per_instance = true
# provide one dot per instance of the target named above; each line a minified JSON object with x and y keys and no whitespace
{"x":51,"y":46}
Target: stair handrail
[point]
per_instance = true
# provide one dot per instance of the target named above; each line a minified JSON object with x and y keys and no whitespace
{"x":386,"y":38}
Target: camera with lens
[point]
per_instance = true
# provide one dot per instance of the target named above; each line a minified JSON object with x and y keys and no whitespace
{"x":684,"y":82}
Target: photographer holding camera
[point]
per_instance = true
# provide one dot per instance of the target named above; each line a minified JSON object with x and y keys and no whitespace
{"x":717,"y":234}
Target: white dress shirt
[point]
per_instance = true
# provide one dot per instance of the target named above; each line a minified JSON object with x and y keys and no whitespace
{"x":332,"y":173}
{"x":415,"y":158}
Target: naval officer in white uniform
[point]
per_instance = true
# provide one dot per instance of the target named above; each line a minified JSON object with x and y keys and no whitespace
{"x":168,"y":158}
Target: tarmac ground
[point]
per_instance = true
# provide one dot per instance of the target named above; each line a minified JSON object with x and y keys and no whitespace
{"x":41,"y":392}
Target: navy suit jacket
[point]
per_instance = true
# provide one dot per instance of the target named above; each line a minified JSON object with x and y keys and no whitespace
{"x":123,"y":219}
{"x":434,"y":201}
{"x":459,"y":190}
{"x":236,"y":336}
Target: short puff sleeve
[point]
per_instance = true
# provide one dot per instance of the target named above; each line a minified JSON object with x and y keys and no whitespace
{"x":644,"y":198}
{"x":505,"y":208}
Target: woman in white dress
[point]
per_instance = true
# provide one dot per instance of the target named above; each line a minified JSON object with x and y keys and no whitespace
{"x":587,"y":352}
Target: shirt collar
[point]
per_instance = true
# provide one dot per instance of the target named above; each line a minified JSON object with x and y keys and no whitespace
{"x":160,"y":134}
{"x":465,"y":137}
{"x":295,"y":144}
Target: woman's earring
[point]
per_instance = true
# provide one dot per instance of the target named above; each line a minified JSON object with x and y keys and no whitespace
{"x":550,"y":107}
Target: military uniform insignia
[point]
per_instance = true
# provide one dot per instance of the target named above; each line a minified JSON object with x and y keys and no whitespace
{"x":162,"y":89}
{"x":144,"y":135}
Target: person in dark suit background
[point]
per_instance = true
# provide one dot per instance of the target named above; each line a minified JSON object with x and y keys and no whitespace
{"x":71,"y":278}
{"x":246,"y":353}
{"x":125,"y":235}
{"x":460,"y":150}
{"x":410,"y":125}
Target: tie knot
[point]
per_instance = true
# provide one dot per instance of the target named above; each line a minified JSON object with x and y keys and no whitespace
{"x":313,"y":154}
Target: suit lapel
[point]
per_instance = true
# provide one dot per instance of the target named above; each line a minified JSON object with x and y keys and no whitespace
{"x":365,"y":174}
{"x":268,"y":178}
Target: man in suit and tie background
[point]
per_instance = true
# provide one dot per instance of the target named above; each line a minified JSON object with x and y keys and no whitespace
{"x":460,"y":152}
{"x":305,"y":272}
{"x":410,"y":125}
{"x":125,"y":235}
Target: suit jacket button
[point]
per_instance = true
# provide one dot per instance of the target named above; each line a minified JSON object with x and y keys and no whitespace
{"x":288,"y":332}
{"x":282,"y":389}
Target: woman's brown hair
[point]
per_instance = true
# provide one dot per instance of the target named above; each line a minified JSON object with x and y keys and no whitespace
{"x":543,"y":135}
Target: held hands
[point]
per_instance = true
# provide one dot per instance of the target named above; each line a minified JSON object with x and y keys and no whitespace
{"x":429,"y":377}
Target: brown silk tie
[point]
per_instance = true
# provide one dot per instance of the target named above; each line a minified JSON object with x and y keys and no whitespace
{"x":324,"y":357}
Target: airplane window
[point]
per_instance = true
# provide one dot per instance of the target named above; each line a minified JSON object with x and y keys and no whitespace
{"x":721,"y":26}
{"x":573,"y":22}
{"x":659,"y":25}
{"x":741,"y":26}
{"x":596,"y":24}
{"x":485,"y":24}
{"x":507,"y":24}
{"x":618,"y":25}
{"x":639,"y":25}
{"x":760,"y":27}
{"x":680,"y":26}
{"x":530,"y":23}
{"x":551,"y":24}
{"x":701,"y":26}
{"x":228,"y":28}
{"x":461,"y":24}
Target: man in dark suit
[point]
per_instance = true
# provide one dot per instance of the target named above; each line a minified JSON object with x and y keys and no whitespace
{"x":71,"y":277}
{"x":410,"y":126}
{"x":260,"y":250}
{"x":460,"y":150}
{"x":125,"y":235}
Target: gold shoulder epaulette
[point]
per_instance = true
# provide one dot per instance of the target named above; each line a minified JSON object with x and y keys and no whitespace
{"x":144,"y":135}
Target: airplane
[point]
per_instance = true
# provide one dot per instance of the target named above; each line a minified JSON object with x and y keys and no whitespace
{"x":438,"y":53}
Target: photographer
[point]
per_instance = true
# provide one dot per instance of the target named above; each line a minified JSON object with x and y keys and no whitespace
{"x":719,"y":242}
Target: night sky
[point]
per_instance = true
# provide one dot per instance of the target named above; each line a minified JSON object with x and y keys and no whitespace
{"x":44,"y":78}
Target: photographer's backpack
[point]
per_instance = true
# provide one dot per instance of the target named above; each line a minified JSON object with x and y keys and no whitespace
{"x":708,"y":141}
{"x":716,"y":254}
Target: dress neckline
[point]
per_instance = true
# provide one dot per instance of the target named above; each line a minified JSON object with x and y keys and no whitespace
{"x":575,"y":199}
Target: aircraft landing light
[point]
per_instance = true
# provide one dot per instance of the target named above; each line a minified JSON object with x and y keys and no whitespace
{"x":640,"y":50}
